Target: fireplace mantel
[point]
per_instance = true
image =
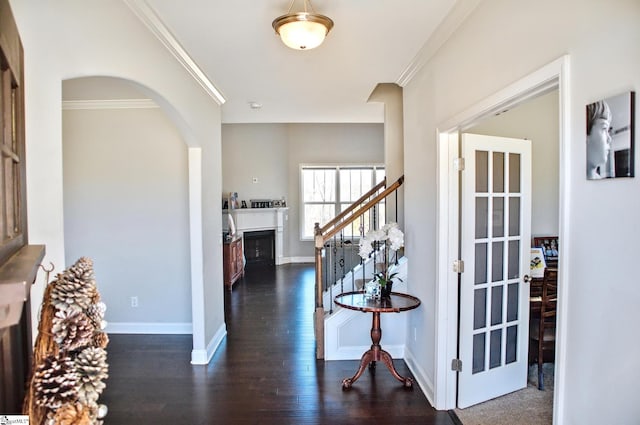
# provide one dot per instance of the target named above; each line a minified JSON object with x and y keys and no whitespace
{"x":254,"y":219}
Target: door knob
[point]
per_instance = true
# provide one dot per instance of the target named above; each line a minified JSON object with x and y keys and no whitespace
{"x":527,"y":278}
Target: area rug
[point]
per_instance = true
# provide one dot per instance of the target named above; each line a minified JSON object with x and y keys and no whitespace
{"x":528,"y":406}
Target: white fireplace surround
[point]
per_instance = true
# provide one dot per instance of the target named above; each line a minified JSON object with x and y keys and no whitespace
{"x":254,"y":219}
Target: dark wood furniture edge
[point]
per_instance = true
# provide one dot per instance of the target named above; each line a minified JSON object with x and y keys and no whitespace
{"x":229,"y":277}
{"x":16,"y":277}
{"x":381,"y":309}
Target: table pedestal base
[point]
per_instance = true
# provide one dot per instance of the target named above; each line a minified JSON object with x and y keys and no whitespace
{"x":369,"y":359}
{"x":376,"y":354}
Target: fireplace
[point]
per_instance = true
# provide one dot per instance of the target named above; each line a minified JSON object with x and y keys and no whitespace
{"x":250,"y":220}
{"x":260,"y":248}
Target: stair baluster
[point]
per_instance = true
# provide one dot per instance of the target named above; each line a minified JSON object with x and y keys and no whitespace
{"x":330,"y":241}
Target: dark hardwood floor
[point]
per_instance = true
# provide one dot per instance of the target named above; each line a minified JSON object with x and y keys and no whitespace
{"x":265,"y":372}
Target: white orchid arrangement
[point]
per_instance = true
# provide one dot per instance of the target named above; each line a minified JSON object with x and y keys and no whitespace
{"x":393,"y":239}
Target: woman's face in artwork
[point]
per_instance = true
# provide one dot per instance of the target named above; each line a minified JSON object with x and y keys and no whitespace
{"x":599,"y":142}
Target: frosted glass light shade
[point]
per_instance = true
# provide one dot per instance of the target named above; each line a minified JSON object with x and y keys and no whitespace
{"x":302,"y":31}
{"x":303,"y":35}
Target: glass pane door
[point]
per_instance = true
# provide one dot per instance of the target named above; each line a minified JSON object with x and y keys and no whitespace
{"x":494,"y":244}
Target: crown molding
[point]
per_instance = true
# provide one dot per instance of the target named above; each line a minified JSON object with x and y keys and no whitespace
{"x":456,"y":16}
{"x":147,"y":15}
{"x":109,"y":104}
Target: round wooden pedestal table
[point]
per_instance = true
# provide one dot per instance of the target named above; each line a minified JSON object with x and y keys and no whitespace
{"x":395,"y":304}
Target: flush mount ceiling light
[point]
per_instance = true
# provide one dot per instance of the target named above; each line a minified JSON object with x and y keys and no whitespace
{"x":302,"y":30}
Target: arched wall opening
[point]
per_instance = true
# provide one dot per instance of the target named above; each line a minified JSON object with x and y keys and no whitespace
{"x":133,"y":187}
{"x":126,"y":202}
{"x":54,"y":53}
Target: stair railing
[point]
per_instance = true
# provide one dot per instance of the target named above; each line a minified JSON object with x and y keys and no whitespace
{"x":367,"y":203}
{"x":349,"y":211}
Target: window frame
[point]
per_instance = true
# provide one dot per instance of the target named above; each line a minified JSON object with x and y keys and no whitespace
{"x":374,"y":167}
{"x":13,"y":198}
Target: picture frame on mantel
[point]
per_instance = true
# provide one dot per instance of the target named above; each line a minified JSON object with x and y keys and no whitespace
{"x":233,"y":200}
{"x":610,"y":137}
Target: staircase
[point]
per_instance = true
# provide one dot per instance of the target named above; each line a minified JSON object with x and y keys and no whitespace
{"x":338,"y":265}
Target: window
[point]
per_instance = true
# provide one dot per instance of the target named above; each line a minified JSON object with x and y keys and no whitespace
{"x":328,"y":190}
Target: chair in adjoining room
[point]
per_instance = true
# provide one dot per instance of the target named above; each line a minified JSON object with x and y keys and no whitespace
{"x":542,"y":330}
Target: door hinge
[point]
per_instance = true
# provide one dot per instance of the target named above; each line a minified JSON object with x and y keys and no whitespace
{"x":456,"y":365}
{"x":458,"y":164}
{"x":458,"y":266}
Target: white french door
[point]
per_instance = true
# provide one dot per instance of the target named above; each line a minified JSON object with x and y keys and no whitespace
{"x":495,"y":247}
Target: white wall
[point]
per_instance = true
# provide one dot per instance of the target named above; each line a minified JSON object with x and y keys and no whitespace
{"x":536,"y":120}
{"x":391,"y":96}
{"x":255,"y":150}
{"x":501,"y":42}
{"x":274,"y":153}
{"x":126,"y":207}
{"x":73,"y":38}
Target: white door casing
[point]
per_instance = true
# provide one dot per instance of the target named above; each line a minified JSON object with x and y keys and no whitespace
{"x":495,"y":247}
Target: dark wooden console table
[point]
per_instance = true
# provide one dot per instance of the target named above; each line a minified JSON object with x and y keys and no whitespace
{"x":233,"y":261}
{"x":397,"y":303}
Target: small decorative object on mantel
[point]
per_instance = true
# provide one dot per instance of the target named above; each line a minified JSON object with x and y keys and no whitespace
{"x":279,"y":203}
{"x":390,"y":238}
{"x":261,"y":203}
{"x":69,"y":357}
{"x":233,"y":200}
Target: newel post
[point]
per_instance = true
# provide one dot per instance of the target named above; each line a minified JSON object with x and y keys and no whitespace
{"x":319,"y":311}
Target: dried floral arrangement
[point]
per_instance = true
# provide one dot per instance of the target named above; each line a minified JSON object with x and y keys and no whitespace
{"x":69,"y":357}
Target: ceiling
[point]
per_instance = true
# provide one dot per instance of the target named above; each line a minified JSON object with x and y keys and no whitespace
{"x":233,"y":43}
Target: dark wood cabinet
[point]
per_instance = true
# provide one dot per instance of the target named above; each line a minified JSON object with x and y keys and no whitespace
{"x":16,"y":276}
{"x":233,"y":261}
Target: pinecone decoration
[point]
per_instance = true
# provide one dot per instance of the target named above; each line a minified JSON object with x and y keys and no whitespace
{"x":55,"y":381}
{"x":72,"y":329}
{"x":92,"y":368}
{"x":96,"y":315}
{"x":100,"y":339}
{"x":82,"y":270}
{"x":71,"y":414}
{"x":75,"y":288}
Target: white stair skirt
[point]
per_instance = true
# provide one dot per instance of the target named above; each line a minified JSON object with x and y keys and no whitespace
{"x":347,"y":333}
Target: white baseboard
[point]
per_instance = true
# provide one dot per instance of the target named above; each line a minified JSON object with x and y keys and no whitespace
{"x":421,"y":377}
{"x":295,"y":260}
{"x":148,"y":328}
{"x":197,"y":356}
{"x":356,"y":352}
{"x":204,"y":356}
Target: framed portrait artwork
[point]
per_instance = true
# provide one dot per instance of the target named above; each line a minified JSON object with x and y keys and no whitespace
{"x":610,"y":137}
